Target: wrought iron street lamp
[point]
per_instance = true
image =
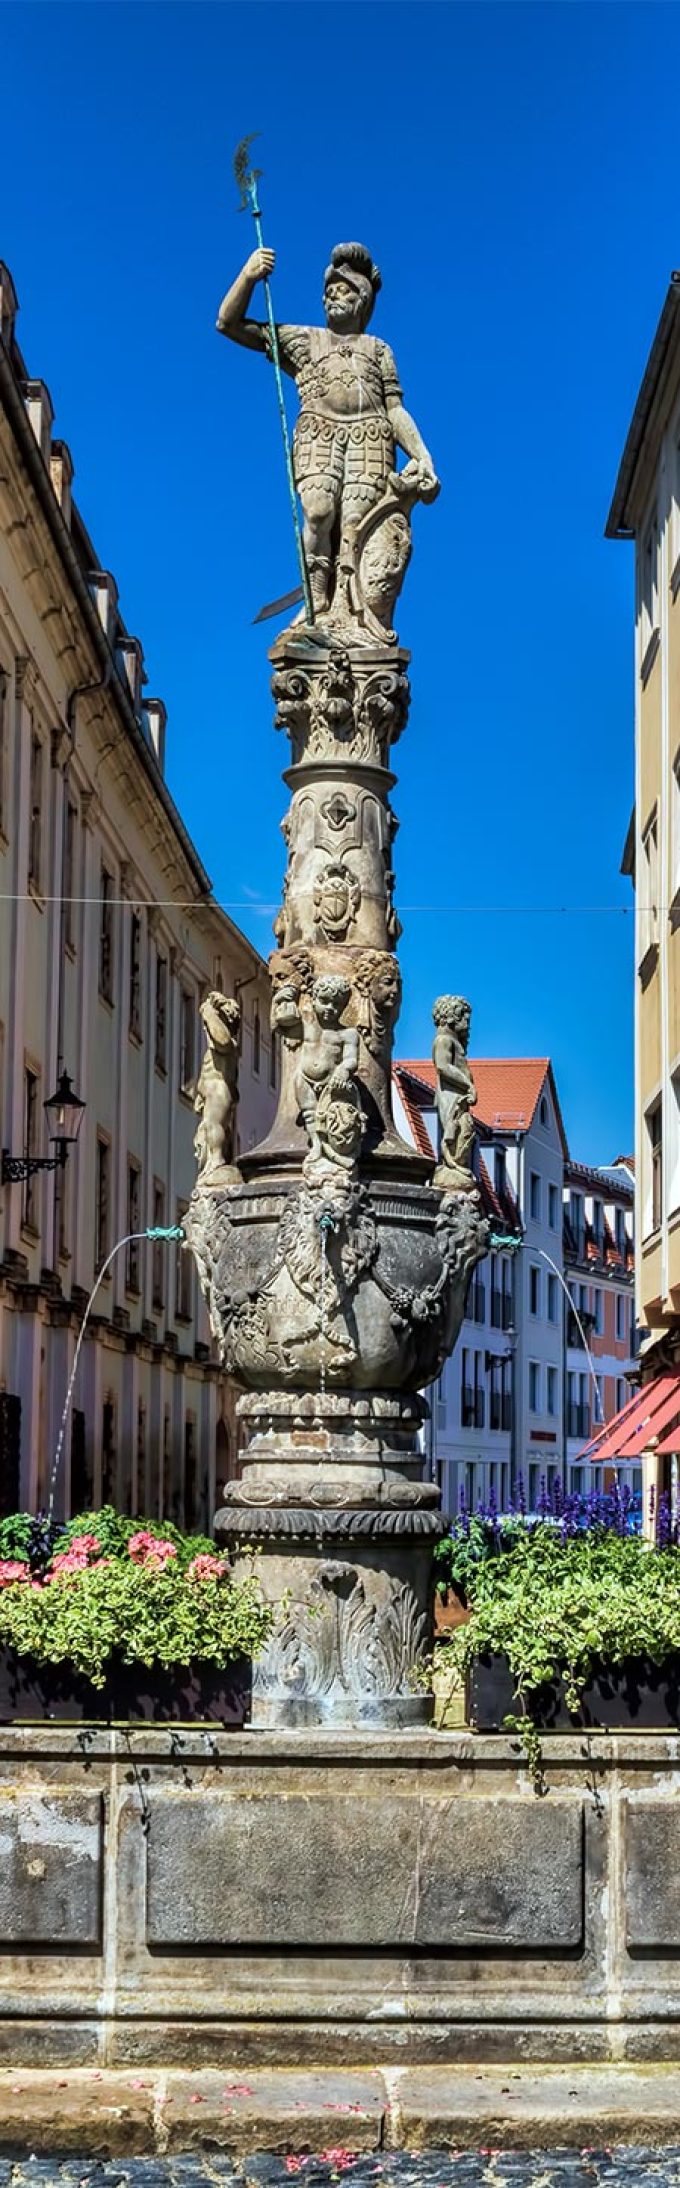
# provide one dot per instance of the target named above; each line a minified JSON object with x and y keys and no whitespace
{"x":64,"y":1112}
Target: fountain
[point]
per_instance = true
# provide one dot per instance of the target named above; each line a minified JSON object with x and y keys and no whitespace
{"x":334,"y":1264}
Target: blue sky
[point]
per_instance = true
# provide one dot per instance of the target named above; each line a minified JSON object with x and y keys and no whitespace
{"x":514,"y":170}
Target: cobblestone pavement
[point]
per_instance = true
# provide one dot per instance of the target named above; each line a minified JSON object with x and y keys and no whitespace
{"x":630,"y":2167}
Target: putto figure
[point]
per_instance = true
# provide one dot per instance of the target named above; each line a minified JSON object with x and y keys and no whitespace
{"x":325,"y":1086}
{"x":456,"y":1094}
{"x":352,"y":420}
{"x":216,"y":1096}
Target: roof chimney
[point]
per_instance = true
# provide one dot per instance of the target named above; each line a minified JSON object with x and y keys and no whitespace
{"x":132,"y":658}
{"x":41,"y":413}
{"x":9,"y":304}
{"x":156,"y":714}
{"x":61,"y":474}
{"x":104,"y":592}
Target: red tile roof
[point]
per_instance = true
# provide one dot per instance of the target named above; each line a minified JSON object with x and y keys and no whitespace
{"x":413,"y":1089}
{"x":508,"y":1089}
{"x":416,"y":1085}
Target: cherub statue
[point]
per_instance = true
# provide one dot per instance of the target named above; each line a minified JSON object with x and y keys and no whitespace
{"x":325,"y":1084}
{"x":352,"y":420}
{"x":456,"y":1094}
{"x":217,"y":1089}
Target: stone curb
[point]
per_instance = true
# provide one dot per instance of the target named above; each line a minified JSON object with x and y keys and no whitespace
{"x":123,"y":2114}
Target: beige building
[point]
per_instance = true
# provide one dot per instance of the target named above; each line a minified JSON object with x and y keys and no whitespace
{"x":646,"y":509}
{"x":109,"y":938}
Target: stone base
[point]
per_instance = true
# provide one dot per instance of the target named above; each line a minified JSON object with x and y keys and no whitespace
{"x":351,"y":1587}
{"x":201,"y":1898}
{"x":383,"y":2109}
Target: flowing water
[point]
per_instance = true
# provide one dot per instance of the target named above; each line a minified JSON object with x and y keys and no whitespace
{"x":173,"y":1233}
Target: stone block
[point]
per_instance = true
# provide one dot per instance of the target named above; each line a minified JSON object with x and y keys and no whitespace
{"x":652,"y":1868}
{"x":285,"y":1869}
{"x":50,"y":1868}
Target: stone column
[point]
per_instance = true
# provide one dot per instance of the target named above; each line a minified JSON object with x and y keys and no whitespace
{"x":335,"y":1274}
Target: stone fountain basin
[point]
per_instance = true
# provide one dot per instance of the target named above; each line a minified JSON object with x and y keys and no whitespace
{"x":362,"y":1288}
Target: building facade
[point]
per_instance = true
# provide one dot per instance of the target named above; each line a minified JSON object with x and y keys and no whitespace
{"x":646,"y":510}
{"x":519,"y":1393}
{"x":109,"y":939}
{"x":600,"y":1334}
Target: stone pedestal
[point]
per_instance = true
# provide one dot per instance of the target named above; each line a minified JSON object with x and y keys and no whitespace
{"x":334,"y":1273}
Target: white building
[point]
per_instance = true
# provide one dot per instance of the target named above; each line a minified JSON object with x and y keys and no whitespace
{"x":517,"y":1396}
{"x":108,"y":941}
{"x":599,"y":1259}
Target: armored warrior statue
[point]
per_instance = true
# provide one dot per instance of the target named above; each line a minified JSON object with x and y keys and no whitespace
{"x":336,"y":1268}
{"x":352,"y":420}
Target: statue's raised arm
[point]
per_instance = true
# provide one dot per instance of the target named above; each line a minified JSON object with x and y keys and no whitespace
{"x":356,"y":505}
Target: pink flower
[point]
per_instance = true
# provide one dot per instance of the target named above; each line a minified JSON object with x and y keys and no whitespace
{"x":69,"y":1561}
{"x":206,"y":1567}
{"x":11,"y":1569}
{"x":147,"y":1549}
{"x":85,"y":1546}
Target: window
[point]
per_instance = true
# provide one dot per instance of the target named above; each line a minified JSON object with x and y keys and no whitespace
{"x":161,"y":1013}
{"x":158,"y":1253}
{"x":101,"y":1204}
{"x":187,"y":1041}
{"x":620,"y":1316}
{"x":621,"y":1394}
{"x":649,"y":585}
{"x":543,"y":1111}
{"x":31,"y":1088}
{"x":62,"y":1191}
{"x":534,"y":1387}
{"x":499,"y":1170}
{"x":552,"y":1298}
{"x":553,"y":1207}
{"x":166,"y":1496}
{"x":272,"y":1058}
{"x":620,"y":1233}
{"x":4,"y":720}
{"x":191,"y":1509}
{"x":535,"y":1196}
{"x":534,"y":1290}
{"x":654,"y":1198}
{"x":183,"y":1273}
{"x":598,"y":1225}
{"x":135,"y":997}
{"x":133,"y":1224}
{"x":598,"y":1313}
{"x":256,"y":1039}
{"x":69,"y":879}
{"x":648,"y":899}
{"x":141,"y":1452}
{"x":552,"y":1390}
{"x":675,"y":830}
{"x":106,"y":935}
{"x":108,"y":1452}
{"x":35,"y":813}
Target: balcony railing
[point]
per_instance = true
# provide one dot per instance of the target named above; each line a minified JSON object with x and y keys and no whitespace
{"x":501,"y":1309}
{"x":472,"y":1407}
{"x":578,"y":1421}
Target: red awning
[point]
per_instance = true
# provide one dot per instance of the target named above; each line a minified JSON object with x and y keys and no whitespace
{"x":639,"y":1423}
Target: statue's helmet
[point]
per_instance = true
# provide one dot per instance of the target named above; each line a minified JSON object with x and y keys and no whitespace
{"x":351,"y":262}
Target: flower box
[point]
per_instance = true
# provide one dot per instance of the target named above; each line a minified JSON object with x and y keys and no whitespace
{"x":635,"y":1696}
{"x":33,"y":1693}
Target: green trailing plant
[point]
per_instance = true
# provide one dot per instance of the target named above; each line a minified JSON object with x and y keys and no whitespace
{"x":105,"y":1589}
{"x":562,"y":1609}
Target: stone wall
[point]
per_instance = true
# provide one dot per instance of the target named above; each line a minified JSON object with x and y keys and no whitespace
{"x":166,"y":1896}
